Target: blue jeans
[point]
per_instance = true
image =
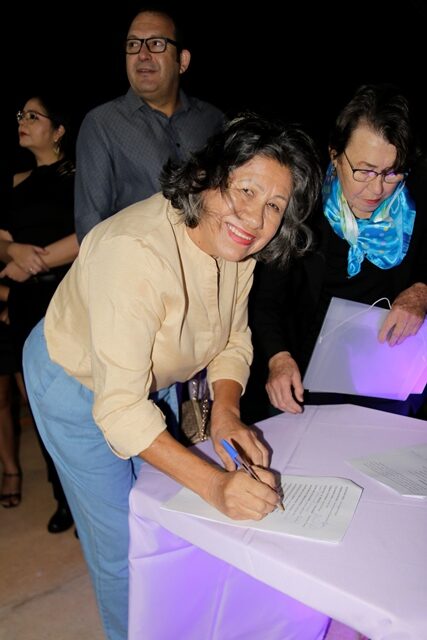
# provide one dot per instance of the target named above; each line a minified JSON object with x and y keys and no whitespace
{"x":96,"y":482}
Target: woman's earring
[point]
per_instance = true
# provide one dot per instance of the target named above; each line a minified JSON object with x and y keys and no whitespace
{"x":56,"y":147}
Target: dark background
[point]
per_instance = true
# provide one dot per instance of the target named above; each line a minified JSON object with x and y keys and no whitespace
{"x":287,"y":61}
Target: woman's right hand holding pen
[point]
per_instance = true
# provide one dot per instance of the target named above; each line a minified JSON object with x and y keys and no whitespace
{"x":240,"y":497}
{"x":236,"y":493}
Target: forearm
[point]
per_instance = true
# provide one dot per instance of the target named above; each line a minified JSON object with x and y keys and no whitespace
{"x":420,"y":289}
{"x":62,"y":251}
{"x":414,"y":298}
{"x":5,"y":241}
{"x":279,"y":358}
{"x":235,"y":494}
{"x":227,"y":395}
{"x":180,"y":464}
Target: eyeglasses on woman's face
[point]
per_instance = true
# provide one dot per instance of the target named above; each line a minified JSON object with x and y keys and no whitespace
{"x":31,"y":116}
{"x":368,"y":175}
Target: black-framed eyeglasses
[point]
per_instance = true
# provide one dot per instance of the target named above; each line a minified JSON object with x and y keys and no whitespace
{"x":368,"y":175}
{"x":154,"y":44}
{"x":30,"y":116}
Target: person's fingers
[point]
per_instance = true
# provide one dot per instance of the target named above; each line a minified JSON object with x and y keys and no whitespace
{"x":252,"y":449}
{"x":411,"y":329}
{"x":255,"y":498}
{"x":258,"y":453}
{"x":283,"y":400}
{"x":299,"y":390}
{"x":386,"y":329}
{"x":225,"y":458}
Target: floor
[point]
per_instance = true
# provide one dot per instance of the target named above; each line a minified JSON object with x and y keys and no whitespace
{"x":45,"y":592}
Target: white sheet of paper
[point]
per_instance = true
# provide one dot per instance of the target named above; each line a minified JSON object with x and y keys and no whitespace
{"x":318,"y":507}
{"x":348,"y":358}
{"x":404,"y":470}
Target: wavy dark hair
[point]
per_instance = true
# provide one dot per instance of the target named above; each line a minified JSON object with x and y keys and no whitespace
{"x":386,"y":111}
{"x":247,"y":136}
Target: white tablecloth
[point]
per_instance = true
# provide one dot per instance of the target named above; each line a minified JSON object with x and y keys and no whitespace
{"x":375,"y":580}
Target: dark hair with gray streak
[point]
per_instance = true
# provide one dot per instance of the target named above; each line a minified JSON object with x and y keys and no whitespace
{"x":242,"y":139}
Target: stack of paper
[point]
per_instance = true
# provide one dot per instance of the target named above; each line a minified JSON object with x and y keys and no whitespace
{"x":348,"y":358}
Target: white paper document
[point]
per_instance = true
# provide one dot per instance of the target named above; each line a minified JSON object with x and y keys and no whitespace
{"x":348,"y":358}
{"x":317,"y":507}
{"x":404,"y":470}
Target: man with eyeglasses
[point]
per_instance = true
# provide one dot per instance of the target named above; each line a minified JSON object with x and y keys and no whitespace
{"x":123,"y":145}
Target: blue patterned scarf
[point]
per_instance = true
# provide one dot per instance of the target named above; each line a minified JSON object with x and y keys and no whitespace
{"x":383,"y":238}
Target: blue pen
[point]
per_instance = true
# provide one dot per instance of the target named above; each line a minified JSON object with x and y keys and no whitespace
{"x":234,"y":455}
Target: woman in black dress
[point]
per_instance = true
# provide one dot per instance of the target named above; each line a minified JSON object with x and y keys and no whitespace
{"x":37,"y":239}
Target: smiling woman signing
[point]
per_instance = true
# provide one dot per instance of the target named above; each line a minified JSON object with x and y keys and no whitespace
{"x":158,"y":293}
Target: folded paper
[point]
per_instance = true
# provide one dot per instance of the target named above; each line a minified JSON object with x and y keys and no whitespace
{"x":348,"y":357}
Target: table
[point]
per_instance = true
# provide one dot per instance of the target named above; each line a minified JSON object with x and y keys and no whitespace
{"x":198,"y":572}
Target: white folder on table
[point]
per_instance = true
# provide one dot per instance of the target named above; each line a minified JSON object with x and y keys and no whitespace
{"x":348,"y":358}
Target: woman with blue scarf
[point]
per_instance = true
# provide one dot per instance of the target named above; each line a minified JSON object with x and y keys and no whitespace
{"x":370,"y":242}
